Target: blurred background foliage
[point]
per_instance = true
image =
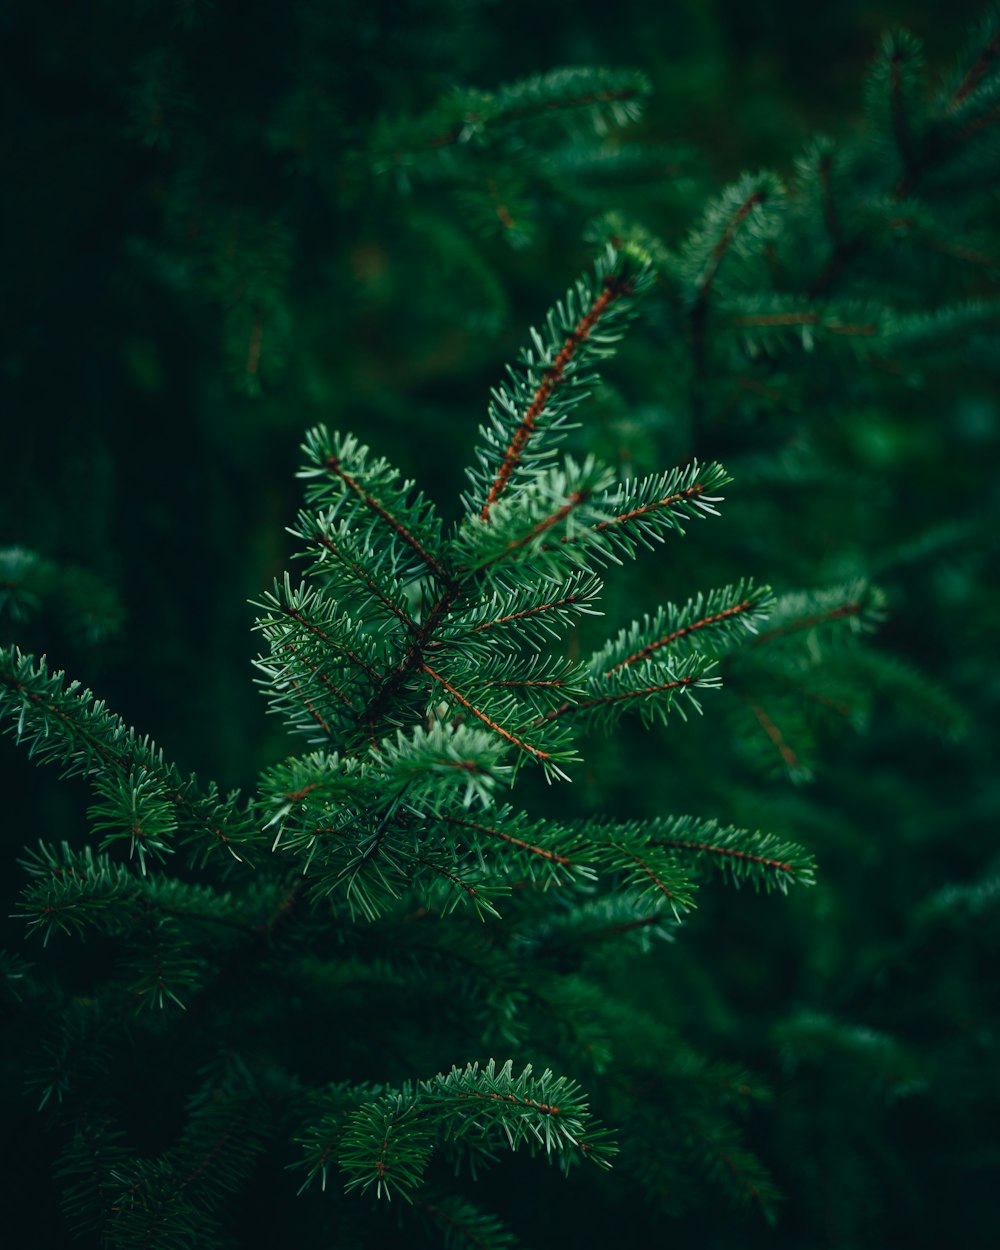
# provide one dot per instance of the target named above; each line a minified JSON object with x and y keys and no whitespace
{"x":227,"y":222}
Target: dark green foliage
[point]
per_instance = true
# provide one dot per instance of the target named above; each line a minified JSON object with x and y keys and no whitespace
{"x":87,"y":609}
{"x":174,"y":1199}
{"x":830,"y":365}
{"x":60,"y":722}
{"x":236,"y":226}
{"x":367,"y":851}
{"x":386,"y":1144}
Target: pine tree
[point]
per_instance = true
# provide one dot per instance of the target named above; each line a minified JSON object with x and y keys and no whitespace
{"x":804,"y":327}
{"x":420,"y":667}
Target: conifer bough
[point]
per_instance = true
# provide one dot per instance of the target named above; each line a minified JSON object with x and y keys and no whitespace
{"x":424,"y":669}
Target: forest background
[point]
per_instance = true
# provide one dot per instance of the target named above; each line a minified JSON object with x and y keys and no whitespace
{"x":189,"y":285}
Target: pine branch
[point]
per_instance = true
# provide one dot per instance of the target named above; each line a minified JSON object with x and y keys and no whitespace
{"x":475,"y":973}
{"x":729,"y":1163}
{"x":831,"y":215}
{"x":15,"y":979}
{"x":77,"y":891}
{"x":311,"y":613}
{"x":367,"y":829}
{"x":646,"y":510}
{"x":854,"y":608}
{"x":31,"y":585}
{"x":770,"y":322}
{"x":558,"y":866}
{"x":530,"y":611}
{"x":442,"y":767}
{"x":547,"y":758}
{"x":87,"y":1168}
{"x":388,"y":1142}
{"x":878,"y":1061}
{"x":463,"y":1226}
{"x":764,"y":860}
{"x":985,"y":49}
{"x":605,"y":96}
{"x":625,"y":919}
{"x":522,"y":689}
{"x":344,"y":477}
{"x":977,"y":72}
{"x":900,"y":120}
{"x":651,"y":687}
{"x":75,"y":1052}
{"x":138,"y":808}
{"x":321,"y":1140}
{"x":551,"y":521}
{"x":710,"y":243}
{"x":707,"y":624}
{"x":510,"y":615}
{"x":614,"y":287}
{"x":67,"y":724}
{"x":528,"y":412}
{"x":402,"y":654}
{"x":170,"y":1200}
{"x":736,"y":224}
{"x":659,"y":880}
{"x":796,"y":768}
{"x":355,"y":570}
